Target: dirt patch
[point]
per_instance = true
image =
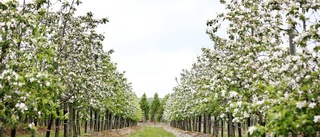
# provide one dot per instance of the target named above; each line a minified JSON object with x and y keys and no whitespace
{"x":116,"y":132}
{"x":22,"y":130}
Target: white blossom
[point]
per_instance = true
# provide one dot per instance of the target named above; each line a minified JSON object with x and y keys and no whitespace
{"x":223,"y":93}
{"x":47,"y":83}
{"x":316,"y":119}
{"x":307,"y":77}
{"x":31,"y":79}
{"x":22,"y":106}
{"x":301,"y":104}
{"x":31,"y":125}
{"x":312,"y":105}
{"x":233,"y":94}
{"x":260,"y":102}
{"x":222,"y":115}
{"x":252,"y":129}
{"x":286,"y":95}
{"x":246,"y":115}
{"x":239,"y":103}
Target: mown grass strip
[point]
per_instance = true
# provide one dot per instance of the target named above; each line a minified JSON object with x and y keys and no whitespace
{"x":152,"y":132}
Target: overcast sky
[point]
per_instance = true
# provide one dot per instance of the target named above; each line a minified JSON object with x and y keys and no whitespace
{"x":154,"y":39}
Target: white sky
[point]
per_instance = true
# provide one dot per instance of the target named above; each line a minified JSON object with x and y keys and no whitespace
{"x":154,"y":39}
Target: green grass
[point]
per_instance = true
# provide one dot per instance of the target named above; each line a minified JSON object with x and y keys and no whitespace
{"x":152,"y":132}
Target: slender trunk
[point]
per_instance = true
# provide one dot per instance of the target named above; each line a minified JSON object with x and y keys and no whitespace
{"x":230,"y":126}
{"x":209,"y":124}
{"x":65,"y":124}
{"x":248,"y":126}
{"x":144,"y":117}
{"x":102,"y":123}
{"x":57,"y":125}
{"x":118,"y":123}
{"x":98,"y":121}
{"x":114,"y":120}
{"x":110,"y":121}
{"x":215,"y":126}
{"x":190,"y":124}
{"x":261,"y":122}
{"x":95,"y":121}
{"x":239,"y":130}
{"x":75,"y":132}
{"x":85,"y":126}
{"x":70,"y":119}
{"x":91,"y":121}
{"x":49,"y":125}
{"x":78,"y":123}
{"x":13,"y":132}
{"x":199,"y":123}
{"x":106,"y":121}
{"x":194,"y":124}
{"x":228,"y":122}
{"x":222,"y":128}
{"x":204,"y":123}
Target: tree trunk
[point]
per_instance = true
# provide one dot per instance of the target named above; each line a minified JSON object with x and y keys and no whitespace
{"x":205,"y":123}
{"x":75,"y":132}
{"x":85,"y":126}
{"x":98,"y":122}
{"x":194,"y":124}
{"x":57,"y":125}
{"x":65,"y":124}
{"x":230,"y":126}
{"x":248,"y":124}
{"x":239,"y":130}
{"x":95,"y":125}
{"x":106,"y":121}
{"x":49,"y":125}
{"x":222,"y":128}
{"x":144,"y":117}
{"x":209,"y":124}
{"x":261,"y":122}
{"x":70,"y":119}
{"x":118,"y":123}
{"x":110,"y":121}
{"x":199,"y":123}
{"x":215,"y":126}
{"x":13,"y":132}
{"x":78,"y":123}
{"x":91,"y":121}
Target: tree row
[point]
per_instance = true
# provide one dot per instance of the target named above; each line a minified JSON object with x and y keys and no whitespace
{"x":54,"y":71}
{"x":250,"y":81}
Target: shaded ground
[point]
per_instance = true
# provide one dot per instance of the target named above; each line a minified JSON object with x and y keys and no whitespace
{"x":21,"y":131}
{"x":116,"y":132}
{"x":124,"y":132}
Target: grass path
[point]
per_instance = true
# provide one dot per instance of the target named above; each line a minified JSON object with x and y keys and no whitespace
{"x":152,"y":132}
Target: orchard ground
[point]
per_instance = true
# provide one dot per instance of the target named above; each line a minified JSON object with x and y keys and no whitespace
{"x":162,"y":128}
